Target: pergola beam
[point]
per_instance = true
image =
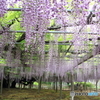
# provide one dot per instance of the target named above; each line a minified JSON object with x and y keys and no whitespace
{"x":21,"y":9}
{"x":14,"y":9}
{"x":55,"y":32}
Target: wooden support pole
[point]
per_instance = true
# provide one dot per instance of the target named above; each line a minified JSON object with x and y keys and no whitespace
{"x":96,"y":80}
{"x":56,"y":87}
{"x":40,"y":82}
{"x":1,"y":83}
{"x":96,"y":85}
{"x":60,"y":88}
{"x":72,"y":82}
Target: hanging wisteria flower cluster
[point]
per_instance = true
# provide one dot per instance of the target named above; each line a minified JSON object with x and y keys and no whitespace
{"x":81,"y":8}
{"x":37,"y":16}
{"x":3,"y":7}
{"x":35,"y":21}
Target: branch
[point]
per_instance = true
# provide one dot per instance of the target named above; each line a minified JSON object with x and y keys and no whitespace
{"x":53,"y":28}
{"x":21,"y":38}
{"x":90,"y":55}
{"x":4,"y":28}
{"x":89,"y":18}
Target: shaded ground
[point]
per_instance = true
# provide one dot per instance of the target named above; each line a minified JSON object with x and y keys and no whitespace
{"x":45,"y":94}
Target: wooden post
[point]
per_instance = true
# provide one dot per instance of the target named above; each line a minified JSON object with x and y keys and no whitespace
{"x":96,"y":80}
{"x":18,"y":85}
{"x":96,"y":85}
{"x":1,"y":82}
{"x":39,"y":86}
{"x":30,"y":85}
{"x":8,"y":80}
{"x":85,"y":86}
{"x":54,"y":82}
{"x":56,"y":87}
{"x":60,"y":88}
{"x":72,"y":82}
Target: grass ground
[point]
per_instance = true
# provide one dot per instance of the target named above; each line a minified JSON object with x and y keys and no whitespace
{"x":45,"y":94}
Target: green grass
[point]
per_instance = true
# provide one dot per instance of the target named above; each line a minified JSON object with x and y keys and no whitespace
{"x":44,"y":94}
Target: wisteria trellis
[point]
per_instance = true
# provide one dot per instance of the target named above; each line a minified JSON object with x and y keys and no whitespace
{"x":36,"y":16}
